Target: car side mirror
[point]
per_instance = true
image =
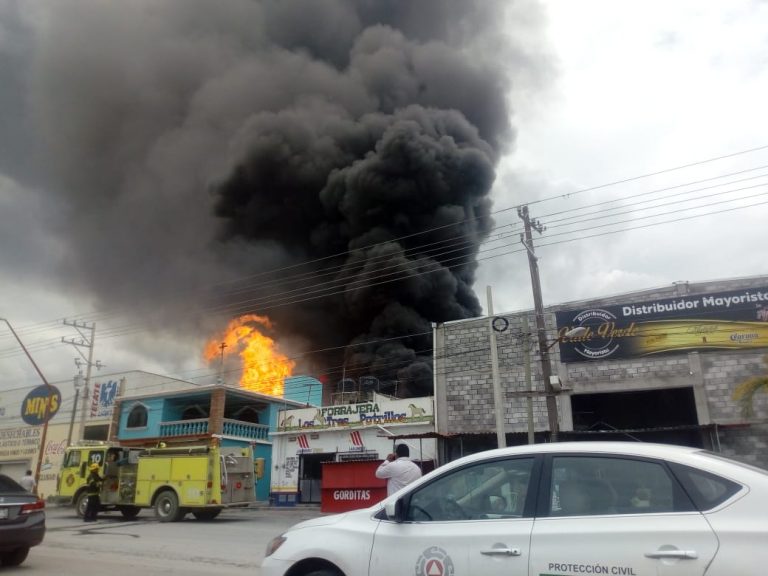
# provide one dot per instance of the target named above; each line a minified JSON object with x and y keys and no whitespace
{"x":396,"y":510}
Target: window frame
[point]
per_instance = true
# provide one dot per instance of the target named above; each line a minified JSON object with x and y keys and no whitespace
{"x":133,"y":407}
{"x":682,"y":502}
{"x":681,"y":472}
{"x":529,"y":507}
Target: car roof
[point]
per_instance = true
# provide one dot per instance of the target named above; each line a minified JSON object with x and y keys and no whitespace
{"x":642,"y":449}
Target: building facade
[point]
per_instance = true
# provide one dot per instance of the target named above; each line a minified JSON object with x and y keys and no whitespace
{"x":656,"y":365}
{"x":75,"y":413}
{"x":79,"y":413}
{"x":201,"y":415}
{"x":307,"y":438}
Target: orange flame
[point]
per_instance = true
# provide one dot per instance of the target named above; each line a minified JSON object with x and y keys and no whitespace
{"x":264,"y":367}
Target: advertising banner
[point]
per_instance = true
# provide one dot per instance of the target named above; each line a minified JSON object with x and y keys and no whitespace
{"x":726,"y":320}
{"x":380,"y":411}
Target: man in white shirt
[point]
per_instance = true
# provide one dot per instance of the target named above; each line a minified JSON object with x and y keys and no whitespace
{"x":398,"y":469}
{"x":28,"y":482}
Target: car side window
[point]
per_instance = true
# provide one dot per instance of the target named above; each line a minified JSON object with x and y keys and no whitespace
{"x":489,"y":490}
{"x":588,"y":486}
{"x":707,"y":490}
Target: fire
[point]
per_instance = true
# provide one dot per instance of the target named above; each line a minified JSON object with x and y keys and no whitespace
{"x":265,"y":368}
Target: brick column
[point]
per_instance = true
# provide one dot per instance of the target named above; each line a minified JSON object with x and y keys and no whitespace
{"x":216,"y":416}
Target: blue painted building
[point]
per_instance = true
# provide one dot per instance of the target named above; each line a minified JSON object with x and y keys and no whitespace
{"x":199,"y":415}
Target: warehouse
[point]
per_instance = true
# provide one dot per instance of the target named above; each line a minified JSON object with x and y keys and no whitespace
{"x":660,"y":365}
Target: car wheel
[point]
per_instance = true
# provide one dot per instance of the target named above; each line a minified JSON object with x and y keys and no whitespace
{"x":323,"y":572}
{"x":129,"y":512}
{"x":14,"y":557}
{"x":167,"y":507}
{"x":206,"y":514}
{"x":81,"y":503}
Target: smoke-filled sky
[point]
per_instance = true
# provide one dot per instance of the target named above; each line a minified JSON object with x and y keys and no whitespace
{"x":166,"y":164}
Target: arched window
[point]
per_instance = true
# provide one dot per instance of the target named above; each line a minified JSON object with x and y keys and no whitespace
{"x":193,"y":412}
{"x":137,"y":417}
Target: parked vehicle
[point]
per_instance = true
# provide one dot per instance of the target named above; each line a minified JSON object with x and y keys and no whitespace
{"x":22,"y":522}
{"x":175,"y":480}
{"x":560,"y":509}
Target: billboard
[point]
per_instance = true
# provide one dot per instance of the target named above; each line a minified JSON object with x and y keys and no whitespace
{"x":733,"y":320}
{"x":380,"y":411}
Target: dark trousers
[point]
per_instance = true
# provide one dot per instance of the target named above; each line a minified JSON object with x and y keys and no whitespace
{"x":92,"y":508}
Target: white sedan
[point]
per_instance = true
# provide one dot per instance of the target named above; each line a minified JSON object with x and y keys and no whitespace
{"x":567,"y":509}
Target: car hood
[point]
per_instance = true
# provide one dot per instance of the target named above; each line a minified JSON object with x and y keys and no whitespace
{"x":332,"y":519}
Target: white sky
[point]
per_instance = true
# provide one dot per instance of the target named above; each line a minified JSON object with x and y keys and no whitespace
{"x":641,"y":86}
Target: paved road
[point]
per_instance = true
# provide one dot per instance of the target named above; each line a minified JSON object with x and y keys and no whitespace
{"x":233,"y":544}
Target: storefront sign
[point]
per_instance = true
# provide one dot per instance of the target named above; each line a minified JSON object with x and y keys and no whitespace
{"x":726,"y":320}
{"x":103,"y":398}
{"x":40,"y":405}
{"x":19,"y":442}
{"x":379,"y":412}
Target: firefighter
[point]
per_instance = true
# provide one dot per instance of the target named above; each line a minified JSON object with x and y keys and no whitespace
{"x":93,"y":489}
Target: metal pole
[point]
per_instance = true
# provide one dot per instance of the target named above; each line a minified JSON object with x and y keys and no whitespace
{"x":86,"y":388}
{"x":78,"y":378}
{"x":498,"y":395}
{"x":546,"y":367}
{"x":45,"y":407}
{"x":528,"y":384}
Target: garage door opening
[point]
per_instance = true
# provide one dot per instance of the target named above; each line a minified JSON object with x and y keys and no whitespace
{"x":667,"y":415}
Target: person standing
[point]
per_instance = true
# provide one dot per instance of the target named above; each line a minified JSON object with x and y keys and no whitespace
{"x":93,"y":488}
{"x":398,"y":469}
{"x":28,"y":482}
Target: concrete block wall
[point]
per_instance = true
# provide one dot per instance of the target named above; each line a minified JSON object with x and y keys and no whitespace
{"x":723,"y":371}
{"x":464,"y":391}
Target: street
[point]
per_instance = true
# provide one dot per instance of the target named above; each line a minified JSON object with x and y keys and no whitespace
{"x":232,"y":544}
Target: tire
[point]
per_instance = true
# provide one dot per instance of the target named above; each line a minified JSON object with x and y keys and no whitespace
{"x":167,"y":507}
{"x":14,"y":557}
{"x":323,"y":572}
{"x":129,"y":512}
{"x":206,"y":515}
{"x":81,"y":501}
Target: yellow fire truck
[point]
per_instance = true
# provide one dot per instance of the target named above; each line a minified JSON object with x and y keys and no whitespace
{"x":173,"y":480}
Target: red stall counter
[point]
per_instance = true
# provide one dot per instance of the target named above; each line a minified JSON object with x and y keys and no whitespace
{"x":351,"y":485}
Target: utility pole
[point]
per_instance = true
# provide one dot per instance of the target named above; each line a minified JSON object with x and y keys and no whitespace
{"x":546,"y":366}
{"x":528,"y":385}
{"x":78,"y":382}
{"x":47,"y":405}
{"x":498,"y":394}
{"x":84,"y":342}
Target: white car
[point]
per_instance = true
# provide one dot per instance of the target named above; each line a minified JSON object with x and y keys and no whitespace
{"x":567,"y":509}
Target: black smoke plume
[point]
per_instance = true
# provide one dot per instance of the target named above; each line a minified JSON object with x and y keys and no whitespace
{"x":327,"y":163}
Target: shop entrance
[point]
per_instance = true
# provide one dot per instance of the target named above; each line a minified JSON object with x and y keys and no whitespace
{"x":667,"y":415}
{"x":310,"y":474}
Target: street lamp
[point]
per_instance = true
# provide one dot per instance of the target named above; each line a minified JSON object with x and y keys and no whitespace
{"x":45,"y":407}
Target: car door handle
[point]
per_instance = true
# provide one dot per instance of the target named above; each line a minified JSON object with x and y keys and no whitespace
{"x":501,"y":551}
{"x":685,"y":554}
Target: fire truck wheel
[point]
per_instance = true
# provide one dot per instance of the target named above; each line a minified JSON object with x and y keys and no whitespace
{"x":167,"y":507}
{"x":129,"y":512}
{"x":81,"y":502}
{"x":206,"y":514}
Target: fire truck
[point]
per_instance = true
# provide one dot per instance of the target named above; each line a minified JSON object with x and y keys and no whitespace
{"x":173,"y":480}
